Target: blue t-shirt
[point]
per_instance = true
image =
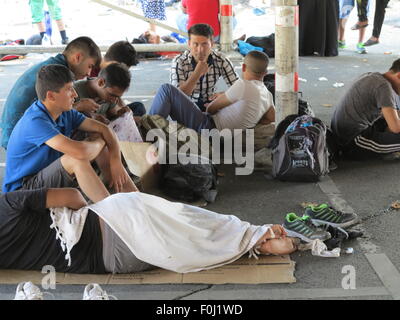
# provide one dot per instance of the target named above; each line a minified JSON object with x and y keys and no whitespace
{"x":27,"y":152}
{"x":21,"y":96}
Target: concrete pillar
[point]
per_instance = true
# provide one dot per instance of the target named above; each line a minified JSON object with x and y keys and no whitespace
{"x":286,"y":58}
{"x":226,"y":23}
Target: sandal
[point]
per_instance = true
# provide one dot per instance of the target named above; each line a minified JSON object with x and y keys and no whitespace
{"x":370,"y":42}
{"x":359,"y":26}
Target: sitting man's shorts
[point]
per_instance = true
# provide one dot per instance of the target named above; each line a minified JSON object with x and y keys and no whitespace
{"x":53,"y":176}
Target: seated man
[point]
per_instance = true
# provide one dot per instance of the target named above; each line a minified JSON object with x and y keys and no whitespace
{"x":242,"y":106}
{"x":366,"y":122}
{"x":41,"y":153}
{"x":106,"y":90}
{"x":123,"y":52}
{"x":27,"y":241}
{"x":196,"y":71}
{"x":80,"y":56}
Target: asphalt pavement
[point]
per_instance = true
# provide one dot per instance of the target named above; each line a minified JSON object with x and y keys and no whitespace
{"x":367,"y":188}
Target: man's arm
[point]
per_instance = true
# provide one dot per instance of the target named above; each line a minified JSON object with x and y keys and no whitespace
{"x":392,"y":119}
{"x":219,"y":103}
{"x":268,"y":116}
{"x":65,"y":197}
{"x":189,"y":85}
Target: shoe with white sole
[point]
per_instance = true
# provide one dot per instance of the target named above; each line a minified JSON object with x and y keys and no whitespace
{"x":303,"y":228}
{"x":94,"y":292}
{"x":28,"y":291}
{"x":324,"y":214}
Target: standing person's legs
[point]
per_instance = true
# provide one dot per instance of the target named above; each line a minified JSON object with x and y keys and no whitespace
{"x":170,"y":101}
{"x":55,"y":13}
{"x":379,"y":17}
{"x":38,"y":15}
{"x":362,"y":10}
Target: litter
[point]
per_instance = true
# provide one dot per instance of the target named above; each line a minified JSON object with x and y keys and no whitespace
{"x":302,"y":80}
{"x":338,"y":84}
{"x":322,"y":79}
{"x":327,"y":105}
{"x":318,"y":248}
{"x":349,"y":250}
{"x":395,"y":205}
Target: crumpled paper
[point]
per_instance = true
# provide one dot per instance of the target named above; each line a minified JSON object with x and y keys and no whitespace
{"x":318,"y":248}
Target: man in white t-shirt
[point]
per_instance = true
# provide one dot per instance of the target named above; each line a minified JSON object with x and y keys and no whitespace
{"x":245,"y":104}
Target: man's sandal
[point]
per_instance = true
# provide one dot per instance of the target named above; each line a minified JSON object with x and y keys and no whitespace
{"x":359,"y":26}
{"x":370,"y":42}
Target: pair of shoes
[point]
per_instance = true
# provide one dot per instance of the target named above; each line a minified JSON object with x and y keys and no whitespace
{"x":360,"y":48}
{"x":341,"y":44}
{"x":303,"y":228}
{"x":29,"y":291}
{"x":370,"y":42}
{"x":359,"y":26}
{"x":65,"y":41}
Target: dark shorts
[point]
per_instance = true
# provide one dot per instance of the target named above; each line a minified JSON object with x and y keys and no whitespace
{"x":118,"y":258}
{"x":53,"y":176}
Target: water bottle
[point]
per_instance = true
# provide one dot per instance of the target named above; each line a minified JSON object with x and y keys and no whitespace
{"x":47,"y":21}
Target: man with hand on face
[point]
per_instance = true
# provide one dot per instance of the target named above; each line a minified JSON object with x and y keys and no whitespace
{"x":196,"y":71}
{"x":80,"y":56}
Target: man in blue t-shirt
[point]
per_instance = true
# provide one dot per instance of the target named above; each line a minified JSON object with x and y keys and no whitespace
{"x":41,"y":154}
{"x":80,"y":56}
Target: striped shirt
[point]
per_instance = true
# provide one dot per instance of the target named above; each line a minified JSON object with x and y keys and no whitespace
{"x":219,"y":66}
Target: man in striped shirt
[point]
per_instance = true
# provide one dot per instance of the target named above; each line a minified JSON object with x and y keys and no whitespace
{"x":196,"y":71}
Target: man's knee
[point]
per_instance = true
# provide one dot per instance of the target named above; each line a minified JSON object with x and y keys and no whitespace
{"x":72,"y":165}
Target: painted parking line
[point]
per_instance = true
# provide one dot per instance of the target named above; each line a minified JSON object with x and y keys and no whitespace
{"x":387,"y":272}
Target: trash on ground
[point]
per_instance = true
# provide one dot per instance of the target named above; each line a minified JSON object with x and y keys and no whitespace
{"x":395,"y":205}
{"x":322,"y":79}
{"x":327,"y":105}
{"x":338,"y":84}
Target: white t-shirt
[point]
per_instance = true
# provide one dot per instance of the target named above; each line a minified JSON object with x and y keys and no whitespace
{"x":250,"y":100}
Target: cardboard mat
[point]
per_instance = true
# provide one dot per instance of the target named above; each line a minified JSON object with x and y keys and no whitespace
{"x":267,"y":269}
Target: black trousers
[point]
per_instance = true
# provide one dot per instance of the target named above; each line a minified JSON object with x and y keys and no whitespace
{"x":318,"y":27}
{"x":380,"y":10}
{"x":373,"y":142}
{"x":362,"y":10}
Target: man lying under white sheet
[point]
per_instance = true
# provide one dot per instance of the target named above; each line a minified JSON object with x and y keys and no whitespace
{"x":123,"y":233}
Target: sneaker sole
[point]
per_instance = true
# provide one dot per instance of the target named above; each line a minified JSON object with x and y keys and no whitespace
{"x":337,"y":225}
{"x":294,"y":234}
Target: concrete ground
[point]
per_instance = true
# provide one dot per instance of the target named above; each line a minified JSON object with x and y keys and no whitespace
{"x":367,"y":187}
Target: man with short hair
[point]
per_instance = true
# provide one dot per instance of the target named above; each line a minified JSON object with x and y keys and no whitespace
{"x":246,"y":103}
{"x":80,"y":56}
{"x":366,"y":122}
{"x":41,"y":154}
{"x":196,"y":71}
{"x":120,"y":51}
{"x":106,"y":90}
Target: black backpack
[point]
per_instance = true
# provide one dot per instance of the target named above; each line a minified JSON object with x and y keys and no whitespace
{"x":190,"y":182}
{"x":299,"y":149}
{"x":267,"y":43}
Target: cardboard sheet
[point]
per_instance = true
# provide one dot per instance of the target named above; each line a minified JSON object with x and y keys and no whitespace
{"x":267,"y":269}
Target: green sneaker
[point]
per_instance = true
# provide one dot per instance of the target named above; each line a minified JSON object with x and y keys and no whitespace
{"x":342,"y":44}
{"x":303,"y":228}
{"x":324,"y":214}
{"x":361,"y":49}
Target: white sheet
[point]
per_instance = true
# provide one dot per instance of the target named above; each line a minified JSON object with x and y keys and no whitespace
{"x":175,"y":236}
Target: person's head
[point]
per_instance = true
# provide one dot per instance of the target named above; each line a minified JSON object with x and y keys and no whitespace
{"x":255,"y":65}
{"x":200,"y":41}
{"x":113,"y":81}
{"x":150,"y":36}
{"x":122,"y":51}
{"x":394,"y":76}
{"x":54,"y":86}
{"x":82,"y":55}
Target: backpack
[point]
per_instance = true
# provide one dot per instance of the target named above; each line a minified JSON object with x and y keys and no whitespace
{"x":299,"y":149}
{"x":266,"y":43}
{"x":190,"y":182}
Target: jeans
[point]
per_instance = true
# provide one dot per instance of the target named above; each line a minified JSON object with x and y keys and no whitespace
{"x":170,"y":101}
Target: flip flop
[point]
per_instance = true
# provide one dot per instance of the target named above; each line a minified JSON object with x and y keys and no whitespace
{"x":370,"y":42}
{"x":358,"y":26}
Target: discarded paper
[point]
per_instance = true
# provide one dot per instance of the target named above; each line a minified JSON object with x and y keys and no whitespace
{"x":322,"y":79}
{"x":338,"y":84}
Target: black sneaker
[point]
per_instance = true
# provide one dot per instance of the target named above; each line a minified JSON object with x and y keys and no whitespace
{"x":324,"y":214}
{"x":65,"y":41}
{"x":303,"y":228}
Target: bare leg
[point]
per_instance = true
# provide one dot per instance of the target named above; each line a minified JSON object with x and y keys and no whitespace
{"x":41,"y":27}
{"x":65,"y":197}
{"x":60,"y":25}
{"x":87,"y":178}
{"x":342,"y":26}
{"x":103,"y":161}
